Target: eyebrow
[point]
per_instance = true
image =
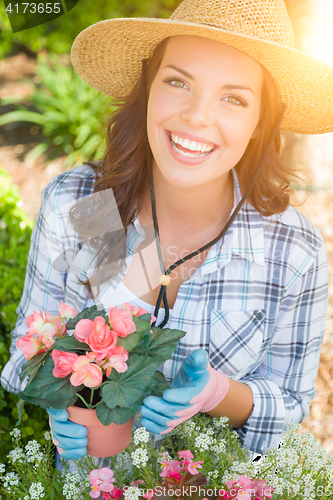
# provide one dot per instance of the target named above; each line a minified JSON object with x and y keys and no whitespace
{"x":229,"y":86}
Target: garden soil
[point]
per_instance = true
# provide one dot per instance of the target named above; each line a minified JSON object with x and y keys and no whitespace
{"x":312,"y":155}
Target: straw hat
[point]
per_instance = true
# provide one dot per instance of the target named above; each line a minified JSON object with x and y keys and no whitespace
{"x":108,"y":54}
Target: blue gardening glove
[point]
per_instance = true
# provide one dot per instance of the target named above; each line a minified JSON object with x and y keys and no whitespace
{"x":196,"y":387}
{"x":69,"y":438}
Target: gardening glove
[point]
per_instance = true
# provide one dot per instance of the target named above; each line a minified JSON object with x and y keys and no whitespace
{"x":197,"y":387}
{"x":69,"y":438}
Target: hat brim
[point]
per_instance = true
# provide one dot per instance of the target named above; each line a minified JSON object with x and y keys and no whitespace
{"x":108,"y":55}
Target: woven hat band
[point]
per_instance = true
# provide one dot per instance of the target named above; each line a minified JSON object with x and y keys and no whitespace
{"x":264,"y":19}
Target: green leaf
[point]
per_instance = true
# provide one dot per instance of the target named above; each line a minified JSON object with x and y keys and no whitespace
{"x":87,"y":313}
{"x":29,"y":365}
{"x":22,"y":116}
{"x":46,"y":386}
{"x":164,"y":341}
{"x":130,"y":342}
{"x":61,"y":404}
{"x":38,"y":150}
{"x":70,"y":343}
{"x":117,"y":415}
{"x":143,"y":347}
{"x":141,"y":324}
{"x":124,"y":389}
{"x":161,"y":385}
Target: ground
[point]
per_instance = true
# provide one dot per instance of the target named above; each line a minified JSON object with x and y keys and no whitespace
{"x":16,"y":140}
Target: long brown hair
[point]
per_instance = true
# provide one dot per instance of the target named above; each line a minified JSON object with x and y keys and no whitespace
{"x":123,"y":169}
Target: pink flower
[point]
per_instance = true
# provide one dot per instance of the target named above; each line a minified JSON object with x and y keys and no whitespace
{"x":137,"y":482}
{"x":86,"y":372}
{"x":101,"y":480}
{"x":59,"y":326}
{"x":36,"y":321}
{"x":101,"y":339}
{"x":46,"y":335}
{"x":241,"y":482}
{"x":67,"y":311}
{"x":83,"y":329}
{"x":170,"y":465}
{"x":185,"y":454}
{"x":116,"y":358}
{"x":121,"y":321}
{"x":149,"y":495}
{"x":192,"y":467}
{"x":137,"y":311}
{"x":30,"y":346}
{"x":63,"y":363}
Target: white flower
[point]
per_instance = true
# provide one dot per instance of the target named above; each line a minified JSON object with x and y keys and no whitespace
{"x":220,"y":422}
{"x":15,"y":454}
{"x":32,"y":447}
{"x":15,"y":433}
{"x":160,"y":457}
{"x":204,"y":442}
{"x":141,"y":435}
{"x":36,"y":491}
{"x":140,"y":457}
{"x":219,"y":447}
{"x":2,"y":468}
{"x":10,"y":479}
{"x":47,"y":436}
{"x":131,"y":493}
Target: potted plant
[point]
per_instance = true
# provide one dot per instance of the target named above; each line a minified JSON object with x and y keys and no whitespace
{"x":103,"y":363}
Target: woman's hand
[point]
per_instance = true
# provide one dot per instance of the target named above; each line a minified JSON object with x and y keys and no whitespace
{"x":196,"y":387}
{"x":69,"y":438}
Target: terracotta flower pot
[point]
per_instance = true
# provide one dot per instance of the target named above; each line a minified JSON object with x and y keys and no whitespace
{"x":103,"y":440}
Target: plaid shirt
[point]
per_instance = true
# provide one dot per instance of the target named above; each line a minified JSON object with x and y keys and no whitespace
{"x":257,"y":304}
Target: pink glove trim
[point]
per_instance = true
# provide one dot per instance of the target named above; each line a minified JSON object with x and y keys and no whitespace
{"x":218,"y":385}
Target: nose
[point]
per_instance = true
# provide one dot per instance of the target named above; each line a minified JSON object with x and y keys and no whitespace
{"x":198,"y":111}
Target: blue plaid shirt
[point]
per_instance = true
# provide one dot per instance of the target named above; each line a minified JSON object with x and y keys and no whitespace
{"x":257,"y":304}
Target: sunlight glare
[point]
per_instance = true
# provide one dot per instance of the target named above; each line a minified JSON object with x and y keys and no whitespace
{"x":318,"y":42}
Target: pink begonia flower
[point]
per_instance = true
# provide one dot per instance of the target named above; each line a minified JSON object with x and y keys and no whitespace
{"x":170,"y":465}
{"x":137,"y":311}
{"x":83,"y":329}
{"x":224,"y":494}
{"x":262,"y":489}
{"x":149,"y":495}
{"x":85,"y":372}
{"x":137,"y":482}
{"x":192,"y":467}
{"x":185,"y":454}
{"x":67,"y":311}
{"x":116,"y":358}
{"x":243,"y":481}
{"x":30,"y":346}
{"x":101,"y":339}
{"x":61,"y":329}
{"x":121,"y":321}
{"x":101,"y":480}
{"x":63,"y":363}
{"x":36,"y":321}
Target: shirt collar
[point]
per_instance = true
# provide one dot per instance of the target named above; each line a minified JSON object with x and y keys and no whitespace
{"x":244,"y":238}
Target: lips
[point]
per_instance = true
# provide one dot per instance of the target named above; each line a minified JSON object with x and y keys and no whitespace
{"x":190,"y":146}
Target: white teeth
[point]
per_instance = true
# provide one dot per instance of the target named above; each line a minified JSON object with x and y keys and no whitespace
{"x":191,"y":146}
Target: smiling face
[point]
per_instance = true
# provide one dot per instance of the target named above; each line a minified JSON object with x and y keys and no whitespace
{"x":203,"y":109}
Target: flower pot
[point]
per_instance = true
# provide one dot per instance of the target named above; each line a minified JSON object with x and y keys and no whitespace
{"x":103,"y":440}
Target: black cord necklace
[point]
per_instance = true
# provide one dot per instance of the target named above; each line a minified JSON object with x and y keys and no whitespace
{"x":165,"y":278}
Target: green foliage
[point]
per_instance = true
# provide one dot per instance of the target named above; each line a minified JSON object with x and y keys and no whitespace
{"x":59,"y":34}
{"x":72,"y":114}
{"x":15,"y":234}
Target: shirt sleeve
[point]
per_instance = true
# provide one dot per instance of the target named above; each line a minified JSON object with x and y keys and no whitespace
{"x":283,"y":385}
{"x":45,"y":281}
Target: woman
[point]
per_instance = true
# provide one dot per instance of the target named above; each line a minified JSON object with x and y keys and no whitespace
{"x":192,"y":158}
